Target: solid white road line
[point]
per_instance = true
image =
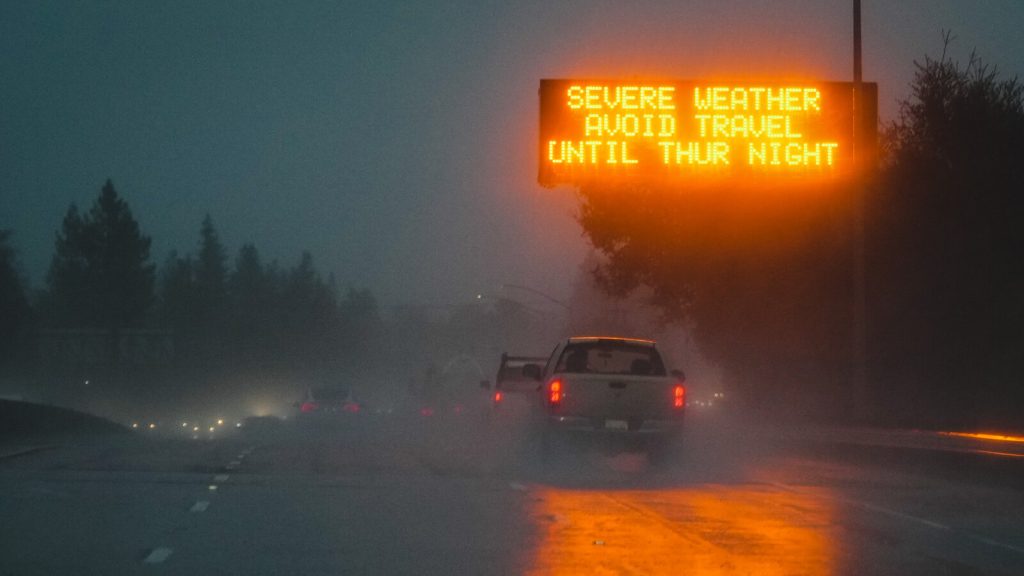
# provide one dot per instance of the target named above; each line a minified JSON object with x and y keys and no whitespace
{"x":995,"y":543}
{"x":157,"y":556}
{"x":996,"y":453}
{"x":917,"y":519}
{"x":872,"y":507}
{"x":200,"y":506}
{"x":14,"y":452}
{"x":897,"y":514}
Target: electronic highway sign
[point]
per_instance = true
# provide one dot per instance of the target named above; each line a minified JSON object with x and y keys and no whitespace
{"x":623,"y":131}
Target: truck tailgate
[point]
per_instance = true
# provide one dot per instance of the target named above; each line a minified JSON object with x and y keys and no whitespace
{"x":609,"y":396}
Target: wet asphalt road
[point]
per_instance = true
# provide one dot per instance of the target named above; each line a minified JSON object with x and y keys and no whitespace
{"x":391,"y":496}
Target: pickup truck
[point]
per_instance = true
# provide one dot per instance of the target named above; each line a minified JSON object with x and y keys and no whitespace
{"x":611,"y":386}
{"x":510,"y":378}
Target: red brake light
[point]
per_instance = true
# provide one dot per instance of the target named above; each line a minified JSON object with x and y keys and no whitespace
{"x":308,"y":407}
{"x":555,"y":392}
{"x":497,"y":397}
{"x":679,"y":396}
{"x":426,"y":411}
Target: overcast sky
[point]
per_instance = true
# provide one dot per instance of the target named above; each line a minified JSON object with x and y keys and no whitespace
{"x":394,"y":140}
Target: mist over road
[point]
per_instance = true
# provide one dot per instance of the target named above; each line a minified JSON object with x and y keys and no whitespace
{"x":391,"y":496}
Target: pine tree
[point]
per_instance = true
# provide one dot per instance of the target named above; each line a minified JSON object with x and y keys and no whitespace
{"x":100,"y":275}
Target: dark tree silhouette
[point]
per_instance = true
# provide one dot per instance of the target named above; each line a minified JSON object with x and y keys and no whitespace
{"x":209,"y":305}
{"x":249,"y":296}
{"x":260,"y":315}
{"x":360,"y":325}
{"x":69,"y":296}
{"x":210,"y":272}
{"x":945,"y":246}
{"x":14,"y":306}
{"x":247,"y":285}
{"x":177,"y":294}
{"x":310,"y":312}
{"x":761,"y":276}
{"x":100,"y":275}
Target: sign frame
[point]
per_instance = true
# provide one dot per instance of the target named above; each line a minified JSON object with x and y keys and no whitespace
{"x":855,"y":145}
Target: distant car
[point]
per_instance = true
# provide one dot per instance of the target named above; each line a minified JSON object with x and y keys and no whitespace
{"x":448,"y":404}
{"x":447,"y":396}
{"x":610,"y":386}
{"x":260,"y":424}
{"x":328,"y":400}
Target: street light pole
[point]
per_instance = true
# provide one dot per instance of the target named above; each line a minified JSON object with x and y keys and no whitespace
{"x":547,"y":297}
{"x":859,"y":191}
{"x":857,"y":79}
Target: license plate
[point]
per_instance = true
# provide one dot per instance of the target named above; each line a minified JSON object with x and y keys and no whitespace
{"x":616,"y":424}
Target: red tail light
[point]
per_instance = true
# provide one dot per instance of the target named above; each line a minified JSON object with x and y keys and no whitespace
{"x":497,"y":397}
{"x":555,"y":393}
{"x":426,"y":411}
{"x":309,"y":407}
{"x":678,"y":396}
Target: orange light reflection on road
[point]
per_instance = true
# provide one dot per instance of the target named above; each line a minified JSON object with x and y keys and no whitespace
{"x":985,"y":436}
{"x":695,"y":531}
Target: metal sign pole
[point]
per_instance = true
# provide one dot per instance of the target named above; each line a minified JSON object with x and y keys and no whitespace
{"x":859,"y":191}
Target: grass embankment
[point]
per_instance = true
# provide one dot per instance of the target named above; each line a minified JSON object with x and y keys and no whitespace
{"x":24,"y":419}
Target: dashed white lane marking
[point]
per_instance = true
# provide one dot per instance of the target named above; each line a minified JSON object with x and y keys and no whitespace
{"x":200,"y":506}
{"x":157,"y":556}
{"x":220,"y":478}
{"x":517,"y":486}
{"x":212,"y":487}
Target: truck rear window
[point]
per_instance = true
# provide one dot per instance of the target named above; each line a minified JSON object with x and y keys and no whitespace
{"x":610,"y":358}
{"x":512,"y":370}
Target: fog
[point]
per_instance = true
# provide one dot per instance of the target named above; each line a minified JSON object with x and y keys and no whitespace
{"x":363,"y":181}
{"x":291,"y":288}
